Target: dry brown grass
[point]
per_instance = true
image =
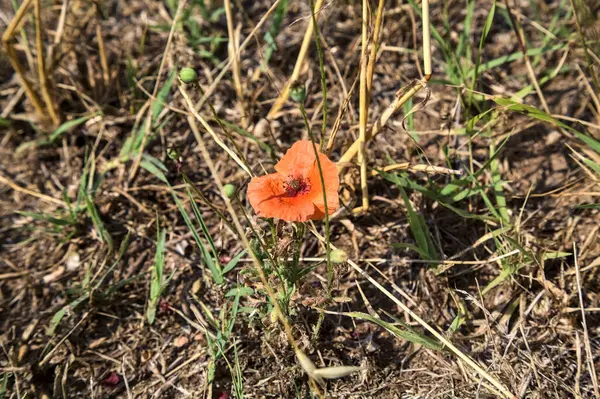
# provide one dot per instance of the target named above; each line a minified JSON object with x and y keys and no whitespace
{"x":536,"y":333}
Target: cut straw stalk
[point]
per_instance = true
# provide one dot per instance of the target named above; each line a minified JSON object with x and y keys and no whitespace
{"x":44,"y":84}
{"x":364,"y":108}
{"x":402,"y":97}
{"x":426,"y":40}
{"x":190,"y":106}
{"x":7,"y":38}
{"x":280,"y":101}
{"x":374,"y":45}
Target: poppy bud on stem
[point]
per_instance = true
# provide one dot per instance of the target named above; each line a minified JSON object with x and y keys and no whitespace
{"x":188,"y":75}
{"x":339,"y":256}
{"x":298,"y":92}
{"x":229,"y":190}
{"x":174,"y":154}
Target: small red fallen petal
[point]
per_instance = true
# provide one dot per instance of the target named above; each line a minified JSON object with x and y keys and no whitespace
{"x":112,"y":379}
{"x":163,"y":306}
{"x":224,"y":258}
{"x":223,"y":395}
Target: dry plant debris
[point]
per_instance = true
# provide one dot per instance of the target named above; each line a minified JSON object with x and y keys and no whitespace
{"x":459,"y":256}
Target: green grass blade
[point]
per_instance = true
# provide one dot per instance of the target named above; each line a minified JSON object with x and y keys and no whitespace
{"x":161,"y":97}
{"x":47,"y":218}
{"x":498,"y":187}
{"x":97,"y":221}
{"x":407,"y":333}
{"x":588,"y":206}
{"x":155,"y":170}
{"x":5,"y":122}
{"x":271,"y":35}
{"x":485,"y":31}
{"x":506,"y":59}
{"x":58,"y":316}
{"x":233,"y":262}
{"x":243,"y":132}
{"x":65,"y":127}
{"x":419,"y":229}
{"x":156,"y":281}
{"x":210,"y":257}
{"x":465,"y":36}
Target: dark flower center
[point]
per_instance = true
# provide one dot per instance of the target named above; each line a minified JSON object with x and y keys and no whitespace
{"x":296,"y":185}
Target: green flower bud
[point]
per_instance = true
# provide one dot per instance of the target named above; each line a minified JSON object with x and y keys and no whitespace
{"x":173,"y":153}
{"x":298,"y":92}
{"x":188,"y":75}
{"x":338,"y":256}
{"x":229,"y":190}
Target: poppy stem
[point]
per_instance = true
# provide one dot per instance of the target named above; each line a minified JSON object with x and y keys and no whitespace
{"x":317,"y":35}
{"x":257,"y":263}
{"x":327,"y":243}
{"x":197,"y":193}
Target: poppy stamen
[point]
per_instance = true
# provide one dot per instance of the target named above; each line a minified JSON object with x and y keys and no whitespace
{"x":296,"y":185}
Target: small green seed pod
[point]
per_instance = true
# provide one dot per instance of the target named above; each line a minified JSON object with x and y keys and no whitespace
{"x":229,"y":190}
{"x":188,"y":75}
{"x":338,"y":256}
{"x":173,"y":153}
{"x":298,"y":92}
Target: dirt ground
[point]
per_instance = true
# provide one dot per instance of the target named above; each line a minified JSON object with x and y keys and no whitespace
{"x":536,"y":332}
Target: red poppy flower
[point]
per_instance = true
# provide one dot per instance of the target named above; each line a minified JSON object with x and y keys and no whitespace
{"x":294,"y":193}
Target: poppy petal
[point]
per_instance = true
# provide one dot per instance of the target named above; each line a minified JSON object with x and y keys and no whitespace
{"x":269,"y":199}
{"x":332,"y":184}
{"x":298,"y":160}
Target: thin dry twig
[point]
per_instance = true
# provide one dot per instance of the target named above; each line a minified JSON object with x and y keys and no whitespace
{"x":280,"y":101}
{"x":209,"y":129}
{"x":43,"y":197}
